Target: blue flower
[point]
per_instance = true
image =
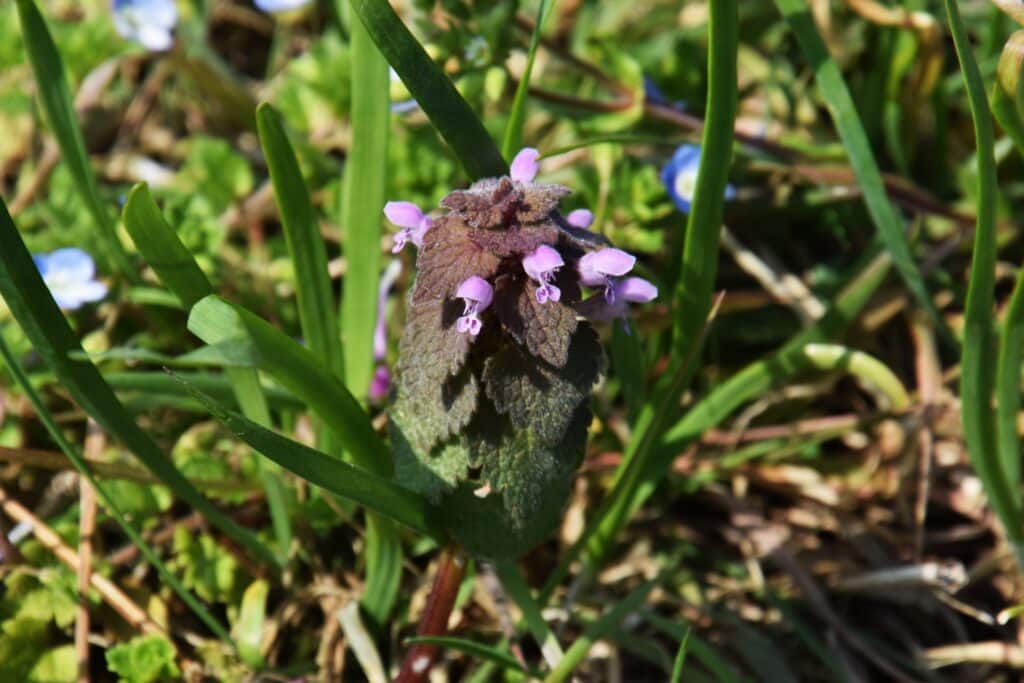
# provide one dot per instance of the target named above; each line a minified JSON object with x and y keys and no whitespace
{"x":280,"y":5}
{"x":147,"y":22}
{"x":680,"y":177}
{"x":70,"y":274}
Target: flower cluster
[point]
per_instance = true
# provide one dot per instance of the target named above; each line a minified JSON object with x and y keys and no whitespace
{"x":498,"y":356}
{"x":602,"y":268}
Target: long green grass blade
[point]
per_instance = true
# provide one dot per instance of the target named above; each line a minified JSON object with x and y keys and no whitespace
{"x":692,"y":297}
{"x":1011,"y":353}
{"x":213,"y":320}
{"x":693,"y":292}
{"x":844,"y":114}
{"x":160,"y":246}
{"x":60,"y":113}
{"x":435,"y":93}
{"x":51,"y":336}
{"x":978,"y":360}
{"x":597,"y":630}
{"x":520,"y":593}
{"x":157,"y":383}
{"x":680,"y":660}
{"x":306,"y":248}
{"x":363,"y":199}
{"x":82,"y":466}
{"x":514,"y":128}
{"x":336,"y":476}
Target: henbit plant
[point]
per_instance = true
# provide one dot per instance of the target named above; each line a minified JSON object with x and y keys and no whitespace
{"x":495,"y":368}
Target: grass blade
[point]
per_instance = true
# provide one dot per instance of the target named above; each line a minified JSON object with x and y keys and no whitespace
{"x":82,"y":466}
{"x":158,"y":384}
{"x":1011,"y":350}
{"x":213,"y":320}
{"x":692,"y":297}
{"x":55,"y":97}
{"x":844,"y":114}
{"x":597,"y":630}
{"x":363,"y":199}
{"x":160,"y":246}
{"x":978,"y":362}
{"x":51,"y":336}
{"x":451,"y":115}
{"x":514,"y":129}
{"x":336,"y":476}
{"x":680,"y":661}
{"x":305,"y":245}
{"x":520,"y":593}
{"x":162,"y":249}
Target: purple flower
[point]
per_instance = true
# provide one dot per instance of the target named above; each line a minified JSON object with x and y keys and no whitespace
{"x":625,"y":291}
{"x":411,"y":219}
{"x":477,"y":293}
{"x":147,"y":22}
{"x":541,"y":266}
{"x":279,"y":5}
{"x":679,"y":176}
{"x":380,"y":385}
{"x":70,"y":274}
{"x":580,"y":218}
{"x":524,"y":166}
{"x":597,"y":268}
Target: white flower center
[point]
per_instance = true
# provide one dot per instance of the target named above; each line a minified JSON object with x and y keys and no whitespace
{"x":685,"y":182}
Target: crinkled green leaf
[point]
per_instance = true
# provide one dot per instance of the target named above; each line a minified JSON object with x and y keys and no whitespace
{"x":145,"y":659}
{"x":540,"y":398}
{"x":209,"y":569}
{"x":431,"y":472}
{"x":55,"y":666}
{"x":529,"y":484}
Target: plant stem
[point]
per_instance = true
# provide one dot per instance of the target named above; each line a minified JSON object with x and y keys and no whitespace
{"x":434,"y":622}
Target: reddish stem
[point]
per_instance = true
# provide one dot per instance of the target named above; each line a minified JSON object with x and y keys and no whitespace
{"x":434,"y":622}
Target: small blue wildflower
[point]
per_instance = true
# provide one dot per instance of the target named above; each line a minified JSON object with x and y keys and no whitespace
{"x":653,"y":94}
{"x":147,"y":22}
{"x":680,"y":177}
{"x":70,"y":274}
{"x":280,"y":5}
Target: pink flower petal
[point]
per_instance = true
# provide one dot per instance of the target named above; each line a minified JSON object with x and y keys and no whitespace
{"x":403,"y":214}
{"x":524,"y":166}
{"x":636,"y":290}
{"x":580,"y":218}
{"x":544,"y":259}
{"x":478,"y":290}
{"x":596,"y":266}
